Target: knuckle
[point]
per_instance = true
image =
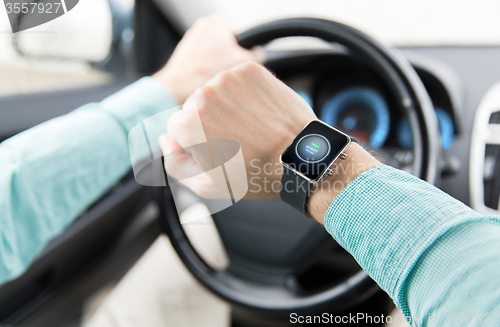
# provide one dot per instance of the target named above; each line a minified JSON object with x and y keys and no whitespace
{"x":224,"y":78}
{"x":250,"y":68}
{"x":214,"y":18}
{"x":207,"y":94}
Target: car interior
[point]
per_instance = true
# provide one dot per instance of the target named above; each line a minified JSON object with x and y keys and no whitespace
{"x":432,"y":110}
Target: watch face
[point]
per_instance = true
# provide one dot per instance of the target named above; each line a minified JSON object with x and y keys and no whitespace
{"x":314,"y":149}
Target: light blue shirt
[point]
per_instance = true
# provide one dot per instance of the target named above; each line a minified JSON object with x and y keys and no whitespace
{"x":432,"y":254}
{"x":438,"y":259}
{"x":53,"y":172}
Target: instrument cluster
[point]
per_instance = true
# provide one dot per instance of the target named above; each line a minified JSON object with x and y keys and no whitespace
{"x":355,"y":100}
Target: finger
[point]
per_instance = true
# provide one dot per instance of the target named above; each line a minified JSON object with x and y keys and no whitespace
{"x":185,"y":127}
{"x":221,"y":20}
{"x":179,"y":164}
{"x":258,"y":54}
{"x":168,"y":145}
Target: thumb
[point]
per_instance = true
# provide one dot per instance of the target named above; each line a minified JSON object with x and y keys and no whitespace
{"x":179,"y":164}
{"x":167,"y":144}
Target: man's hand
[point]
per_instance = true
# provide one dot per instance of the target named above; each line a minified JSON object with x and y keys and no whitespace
{"x":246,"y":104}
{"x":206,"y":49}
{"x":249,"y":105}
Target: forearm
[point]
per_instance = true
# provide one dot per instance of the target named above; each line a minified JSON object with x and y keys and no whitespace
{"x":400,"y":228}
{"x":54,"y":171}
{"x":358,"y":161}
{"x":49,"y":175}
{"x":456,"y":279}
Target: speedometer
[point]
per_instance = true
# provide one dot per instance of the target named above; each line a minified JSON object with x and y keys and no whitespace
{"x":446,"y":130}
{"x":361,"y":112}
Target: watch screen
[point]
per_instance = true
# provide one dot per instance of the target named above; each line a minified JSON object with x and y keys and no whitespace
{"x":314,"y":149}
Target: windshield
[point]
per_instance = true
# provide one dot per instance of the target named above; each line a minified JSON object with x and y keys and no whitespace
{"x":398,"y":22}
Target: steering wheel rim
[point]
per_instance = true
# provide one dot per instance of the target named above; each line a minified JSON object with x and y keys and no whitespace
{"x":411,"y":96}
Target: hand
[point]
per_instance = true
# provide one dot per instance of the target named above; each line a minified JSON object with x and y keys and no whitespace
{"x":246,"y":104}
{"x":249,"y":105}
{"x":206,"y":49}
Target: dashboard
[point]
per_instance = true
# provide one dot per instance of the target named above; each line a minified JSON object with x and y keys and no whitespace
{"x":459,"y":81}
{"x":346,"y":93}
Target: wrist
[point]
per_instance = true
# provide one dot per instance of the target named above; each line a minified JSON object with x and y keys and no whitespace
{"x":285,"y":138}
{"x":323,"y":193}
{"x":174,"y":83}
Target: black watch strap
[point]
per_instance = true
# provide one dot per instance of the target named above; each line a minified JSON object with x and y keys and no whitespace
{"x":294,"y":190}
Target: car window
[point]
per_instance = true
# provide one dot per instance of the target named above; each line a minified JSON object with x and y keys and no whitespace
{"x":21,"y":74}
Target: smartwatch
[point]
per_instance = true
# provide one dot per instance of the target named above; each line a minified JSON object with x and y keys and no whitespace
{"x":308,"y":158}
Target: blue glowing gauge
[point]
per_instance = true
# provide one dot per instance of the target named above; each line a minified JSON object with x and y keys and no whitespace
{"x":446,"y":130}
{"x":405,"y":139}
{"x":360,"y":112}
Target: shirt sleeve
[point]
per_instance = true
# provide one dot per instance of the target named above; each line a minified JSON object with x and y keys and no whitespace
{"x":432,"y":254}
{"x":52,"y":172}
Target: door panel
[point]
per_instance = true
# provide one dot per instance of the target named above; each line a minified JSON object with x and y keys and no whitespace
{"x":97,"y":249}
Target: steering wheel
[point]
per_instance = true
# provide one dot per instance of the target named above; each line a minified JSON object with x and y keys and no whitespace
{"x":262,"y":272}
